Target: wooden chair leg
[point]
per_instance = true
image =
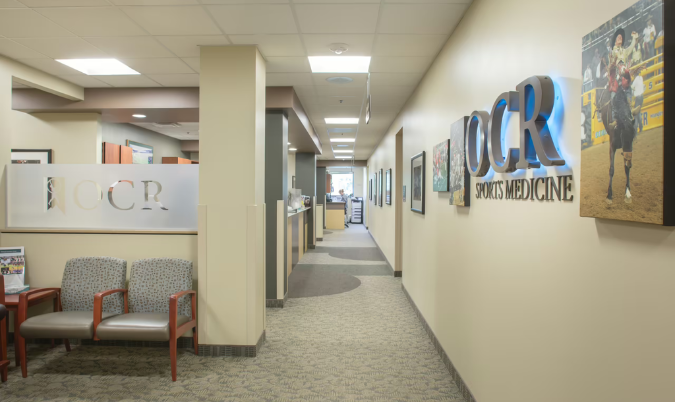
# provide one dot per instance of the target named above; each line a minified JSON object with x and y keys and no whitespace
{"x":3,"y":369}
{"x":173,"y":345}
{"x":195,"y":340}
{"x":17,"y":356}
{"x":20,"y":343}
{"x":67,"y":343}
{"x":4,"y":363}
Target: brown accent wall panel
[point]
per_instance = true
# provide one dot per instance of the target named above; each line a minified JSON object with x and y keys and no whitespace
{"x":126,"y":155}
{"x":111,"y":153}
{"x":329,"y":183}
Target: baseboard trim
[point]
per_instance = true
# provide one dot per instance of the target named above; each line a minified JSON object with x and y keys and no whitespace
{"x":183,"y":342}
{"x":311,"y":247}
{"x":232,"y":350}
{"x":277,"y":303}
{"x":391,"y":267}
{"x":464,"y":389}
{"x":398,"y":274}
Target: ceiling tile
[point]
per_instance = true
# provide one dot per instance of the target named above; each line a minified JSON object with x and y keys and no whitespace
{"x":193,"y":62}
{"x":63,"y":48}
{"x":84,"y":81}
{"x":359,"y":80}
{"x":185,"y":20}
{"x":128,"y":81}
{"x":15,"y":50}
{"x":272,"y":45}
{"x":154,"y":2}
{"x":65,"y":3}
{"x":401,"y":79}
{"x":159,"y":66}
{"x":319,"y":44}
{"x":99,"y":21}
{"x":255,"y":19}
{"x":188,"y":46}
{"x":132,"y":48}
{"x":50,"y":66}
{"x":338,"y":90}
{"x":27,"y":23}
{"x":177,"y":80}
{"x":288,"y":65}
{"x":337,"y":18}
{"x":420,"y":18}
{"x":346,"y":101}
{"x":408,"y":45}
{"x":11,"y":4}
{"x":288,"y":79}
{"x":385,"y":64}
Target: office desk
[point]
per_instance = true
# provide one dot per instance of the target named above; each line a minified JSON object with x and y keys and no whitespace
{"x":335,"y":215}
{"x":296,"y":237}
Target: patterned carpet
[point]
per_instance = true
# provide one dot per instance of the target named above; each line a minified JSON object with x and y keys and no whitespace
{"x":362,"y":345}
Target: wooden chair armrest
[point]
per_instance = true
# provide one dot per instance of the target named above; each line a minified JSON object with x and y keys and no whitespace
{"x":98,"y":305}
{"x":173,"y":305}
{"x":24,"y":298}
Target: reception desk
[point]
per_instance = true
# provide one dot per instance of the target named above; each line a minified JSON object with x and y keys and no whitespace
{"x":335,"y":215}
{"x":297,"y":236}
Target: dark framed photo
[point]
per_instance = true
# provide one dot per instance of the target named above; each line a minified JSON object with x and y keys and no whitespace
{"x":387,"y":194}
{"x":380,"y":186}
{"x":375,"y":190}
{"x":441,"y":163}
{"x":417,"y":177}
{"x":31,"y":156}
{"x":370,"y":190}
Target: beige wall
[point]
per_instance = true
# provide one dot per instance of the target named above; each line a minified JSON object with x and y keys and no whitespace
{"x":531,"y":302}
{"x":381,"y":220}
{"x":163,"y":145}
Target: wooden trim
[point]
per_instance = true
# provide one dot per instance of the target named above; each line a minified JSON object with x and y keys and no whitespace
{"x":98,"y":306}
{"x":126,"y":155}
{"x":93,"y":231}
{"x":111,"y":153}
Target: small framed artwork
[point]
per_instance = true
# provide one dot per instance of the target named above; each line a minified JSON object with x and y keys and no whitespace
{"x":387,"y":184}
{"x":417,"y":178}
{"x":375,"y":190}
{"x":142,"y":153}
{"x":440,"y":163}
{"x":31,"y":156}
{"x":380,"y":187}
{"x":370,"y":190}
{"x":460,"y":178}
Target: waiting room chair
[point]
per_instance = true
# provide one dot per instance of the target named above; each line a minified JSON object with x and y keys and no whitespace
{"x":83,"y":278}
{"x":4,"y":314}
{"x":158,"y":310}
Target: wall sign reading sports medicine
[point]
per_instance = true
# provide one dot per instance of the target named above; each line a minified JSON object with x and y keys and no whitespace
{"x":103,"y":197}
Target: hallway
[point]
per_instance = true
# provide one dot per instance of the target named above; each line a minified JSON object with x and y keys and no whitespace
{"x":363,"y":344}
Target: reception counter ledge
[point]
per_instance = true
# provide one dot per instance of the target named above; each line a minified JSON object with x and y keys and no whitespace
{"x":335,"y":215}
{"x":297,"y":236}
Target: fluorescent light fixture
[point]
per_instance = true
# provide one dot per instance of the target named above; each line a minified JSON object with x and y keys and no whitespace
{"x":342,"y":120}
{"x":342,"y":151}
{"x":343,"y":157}
{"x":342,"y":145}
{"x":339,"y":64}
{"x":292,"y":149}
{"x":99,"y":66}
{"x":139,"y":116}
{"x":343,"y":140}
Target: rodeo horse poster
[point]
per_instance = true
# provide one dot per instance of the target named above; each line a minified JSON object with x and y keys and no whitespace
{"x":622,"y":116}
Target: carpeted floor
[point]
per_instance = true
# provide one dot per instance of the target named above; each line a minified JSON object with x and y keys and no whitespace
{"x":365,"y":344}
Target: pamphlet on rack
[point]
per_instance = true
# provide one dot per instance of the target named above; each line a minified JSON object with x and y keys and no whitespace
{"x":13,"y":269}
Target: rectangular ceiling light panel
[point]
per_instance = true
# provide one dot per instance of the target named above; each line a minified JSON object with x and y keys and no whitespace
{"x":99,"y":66}
{"x":339,"y":64}
{"x":342,"y":151}
{"x":342,"y":120}
{"x":343,"y":140}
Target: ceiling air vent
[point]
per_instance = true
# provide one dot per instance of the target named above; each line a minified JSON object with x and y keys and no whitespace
{"x":166,"y":125}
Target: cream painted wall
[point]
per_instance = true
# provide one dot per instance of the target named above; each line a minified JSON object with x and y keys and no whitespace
{"x":531,"y":302}
{"x":381,"y":219}
{"x":163,"y":145}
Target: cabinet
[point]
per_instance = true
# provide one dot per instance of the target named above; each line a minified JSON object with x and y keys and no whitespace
{"x":357,"y":210}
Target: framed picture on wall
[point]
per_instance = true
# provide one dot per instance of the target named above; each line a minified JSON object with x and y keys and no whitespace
{"x":460,"y":178}
{"x":31,"y":156}
{"x":380,"y":187}
{"x":142,"y":153}
{"x":440,"y":163}
{"x":375,"y":190}
{"x":624,"y":114}
{"x":370,"y":190}
{"x":417,"y":185}
{"x":387,"y":184}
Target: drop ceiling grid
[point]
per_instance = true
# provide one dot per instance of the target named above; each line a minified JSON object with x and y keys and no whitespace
{"x":160,"y":40}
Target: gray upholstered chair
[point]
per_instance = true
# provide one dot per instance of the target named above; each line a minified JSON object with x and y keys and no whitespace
{"x":83,"y":278}
{"x":157,"y":309}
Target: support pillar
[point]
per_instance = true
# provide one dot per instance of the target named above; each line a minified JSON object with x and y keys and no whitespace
{"x":305,"y":179}
{"x":231,"y":197}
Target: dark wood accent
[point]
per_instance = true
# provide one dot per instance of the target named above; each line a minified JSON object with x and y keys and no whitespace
{"x":668,"y":106}
{"x":329,"y":182}
{"x":38,"y":296}
{"x":173,"y":160}
{"x":398,"y":274}
{"x":176,"y":331}
{"x":4,"y":363}
{"x":111,"y":153}
{"x":126,"y":155}
{"x":98,"y":306}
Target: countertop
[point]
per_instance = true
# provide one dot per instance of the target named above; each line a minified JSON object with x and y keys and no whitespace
{"x":290,"y":214}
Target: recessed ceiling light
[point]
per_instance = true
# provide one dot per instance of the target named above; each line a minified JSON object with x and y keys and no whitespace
{"x":339,"y":80}
{"x":342,"y":140}
{"x":342,"y":151}
{"x":99,"y":66}
{"x":139,"y":116}
{"x":342,"y":145}
{"x":292,"y":149}
{"x":342,"y":120}
{"x":343,"y":157}
{"x":289,"y":143}
{"x":339,"y":64}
